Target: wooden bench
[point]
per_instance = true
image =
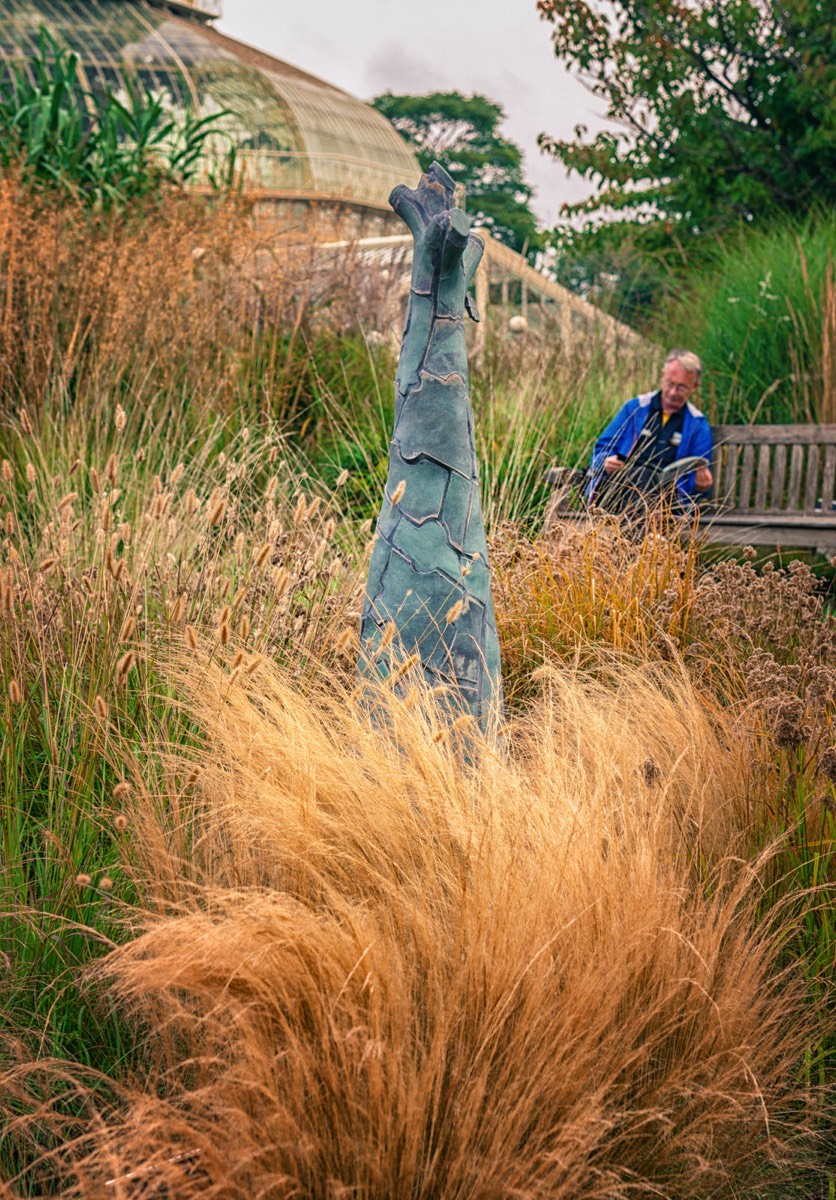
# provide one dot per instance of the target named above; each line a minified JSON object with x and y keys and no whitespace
{"x":773,"y":486}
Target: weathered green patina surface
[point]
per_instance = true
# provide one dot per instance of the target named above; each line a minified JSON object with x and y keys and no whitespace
{"x":429,"y":571}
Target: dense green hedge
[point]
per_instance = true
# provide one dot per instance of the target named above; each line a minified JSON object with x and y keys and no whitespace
{"x":762,"y":317}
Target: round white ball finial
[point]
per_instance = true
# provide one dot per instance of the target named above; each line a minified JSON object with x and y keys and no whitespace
{"x":518,"y":324}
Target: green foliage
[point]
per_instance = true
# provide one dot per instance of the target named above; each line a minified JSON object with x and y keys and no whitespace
{"x":762,"y":316}
{"x":63,"y":137}
{"x":462,"y":133}
{"x":727,"y":111}
{"x":628,"y":272}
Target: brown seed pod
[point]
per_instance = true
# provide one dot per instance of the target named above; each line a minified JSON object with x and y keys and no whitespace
{"x":218,"y":511}
{"x":345,"y":640}
{"x":124,"y":666}
{"x":7,"y":596}
{"x":406,"y":666}
{"x":454,"y":613}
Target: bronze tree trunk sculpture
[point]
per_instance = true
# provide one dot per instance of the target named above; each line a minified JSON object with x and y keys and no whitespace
{"x":429,"y":573}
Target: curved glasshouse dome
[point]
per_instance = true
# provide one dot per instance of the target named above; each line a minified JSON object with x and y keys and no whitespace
{"x":297,"y":137}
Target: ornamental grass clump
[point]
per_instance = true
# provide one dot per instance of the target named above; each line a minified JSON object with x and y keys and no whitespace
{"x":189,"y":308}
{"x":587,"y":589}
{"x":106,"y":564}
{"x":372,"y":967}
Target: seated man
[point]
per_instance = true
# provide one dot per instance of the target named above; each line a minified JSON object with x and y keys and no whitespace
{"x":650,"y":432}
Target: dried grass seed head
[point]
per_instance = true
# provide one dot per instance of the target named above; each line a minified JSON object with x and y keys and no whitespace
{"x":217,"y":510}
{"x":125,"y":665}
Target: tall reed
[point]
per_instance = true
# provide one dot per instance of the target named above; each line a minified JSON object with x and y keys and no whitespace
{"x":761,"y":316}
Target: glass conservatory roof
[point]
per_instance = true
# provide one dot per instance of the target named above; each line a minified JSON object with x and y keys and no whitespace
{"x":294,"y":134}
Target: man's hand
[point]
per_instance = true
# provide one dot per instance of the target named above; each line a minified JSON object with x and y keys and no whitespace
{"x":703,"y":479}
{"x":613,"y":463}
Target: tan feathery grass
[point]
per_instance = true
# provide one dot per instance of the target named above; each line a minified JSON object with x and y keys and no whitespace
{"x":377,"y":970}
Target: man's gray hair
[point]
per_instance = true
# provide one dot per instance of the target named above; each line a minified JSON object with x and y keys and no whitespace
{"x":687,"y":359}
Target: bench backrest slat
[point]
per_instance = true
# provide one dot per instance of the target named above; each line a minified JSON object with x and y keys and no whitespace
{"x":811,"y":491}
{"x":790,"y":435}
{"x":746,"y":476}
{"x":762,"y":484}
{"x":796,"y":471}
{"x":828,"y":478}
{"x":729,"y":484}
{"x":779,"y":471}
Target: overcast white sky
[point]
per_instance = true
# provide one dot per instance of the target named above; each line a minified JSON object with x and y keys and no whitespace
{"x":497,"y":47}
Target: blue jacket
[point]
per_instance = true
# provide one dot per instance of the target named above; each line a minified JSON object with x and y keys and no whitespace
{"x":623,"y":431}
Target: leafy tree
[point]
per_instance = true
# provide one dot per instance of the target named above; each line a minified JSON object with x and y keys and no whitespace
{"x":727,"y":115}
{"x":462,"y":133}
{"x":62,"y":137}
